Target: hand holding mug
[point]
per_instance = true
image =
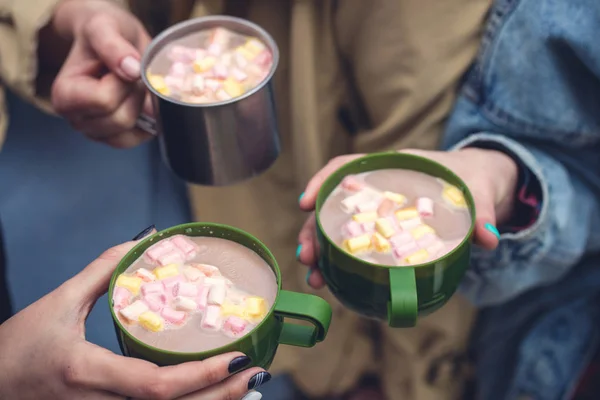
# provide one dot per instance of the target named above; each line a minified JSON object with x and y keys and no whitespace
{"x":490,"y":175}
{"x":44,"y":354}
{"x":98,"y":89}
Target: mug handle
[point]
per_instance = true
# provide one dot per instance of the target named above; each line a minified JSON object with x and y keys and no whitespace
{"x":304,"y":307}
{"x":403,"y":306}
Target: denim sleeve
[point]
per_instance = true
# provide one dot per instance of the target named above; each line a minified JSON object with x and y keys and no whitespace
{"x":567,"y":228}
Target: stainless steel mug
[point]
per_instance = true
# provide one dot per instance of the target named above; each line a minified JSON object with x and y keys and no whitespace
{"x":222,"y":143}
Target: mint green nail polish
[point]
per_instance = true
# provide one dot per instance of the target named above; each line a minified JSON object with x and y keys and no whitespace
{"x":492,"y":229}
{"x":300,"y":198}
{"x":298,"y":251}
{"x":308,"y":276}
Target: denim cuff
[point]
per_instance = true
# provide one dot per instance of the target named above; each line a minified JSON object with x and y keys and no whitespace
{"x":532,"y":188}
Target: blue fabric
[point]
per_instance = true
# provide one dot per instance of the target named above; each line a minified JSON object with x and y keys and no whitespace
{"x":534,"y":91}
{"x":64,"y":200}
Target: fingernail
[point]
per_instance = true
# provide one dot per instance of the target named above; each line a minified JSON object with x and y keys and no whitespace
{"x":298,"y":251}
{"x":300,"y":198}
{"x":252,"y":396}
{"x":131,"y":67}
{"x":238,"y":364}
{"x":492,"y":229}
{"x":259,"y":379}
{"x":144,"y":233}
{"x":308,"y":276}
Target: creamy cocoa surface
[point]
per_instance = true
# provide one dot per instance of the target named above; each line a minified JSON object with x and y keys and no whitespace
{"x":209,"y":66}
{"x":246,"y":276}
{"x":414,"y":238}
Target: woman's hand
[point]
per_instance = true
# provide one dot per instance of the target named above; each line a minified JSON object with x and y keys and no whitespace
{"x":44,"y":354}
{"x":98,"y":89}
{"x":490,"y":175}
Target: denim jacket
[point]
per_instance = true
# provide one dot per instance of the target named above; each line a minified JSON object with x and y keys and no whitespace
{"x":534,"y":92}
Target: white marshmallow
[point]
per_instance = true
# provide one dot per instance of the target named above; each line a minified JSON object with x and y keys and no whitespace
{"x":184,"y":304}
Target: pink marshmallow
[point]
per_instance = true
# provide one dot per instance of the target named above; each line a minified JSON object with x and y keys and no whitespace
{"x":208,"y":270}
{"x":186,"y":246}
{"x":264,"y":59}
{"x":220,"y":71}
{"x":194,"y":275}
{"x":352,"y":229}
{"x":368,"y":227}
{"x":352,"y":184}
{"x":172,"y":316}
{"x":172,"y":257}
{"x":239,"y":75}
{"x":152,"y":288}
{"x":406,"y":249}
{"x":235,"y":325}
{"x":185,"y":289}
{"x":170,"y":283}
{"x":182,"y":54}
{"x":121,"y":297}
{"x":211,"y":320}
{"x":178,"y":70}
{"x":159,"y":249}
{"x":155,"y":301}
{"x":401,"y":239}
{"x":174,"y":82}
{"x":202,"y":298}
{"x":212,"y":84}
{"x":427,"y":240}
{"x":220,"y":36}
{"x":215,"y":49}
{"x":145,"y":275}
{"x":425,"y":207}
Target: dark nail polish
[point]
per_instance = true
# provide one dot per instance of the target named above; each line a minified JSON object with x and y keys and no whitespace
{"x":144,"y":233}
{"x":259,"y":379}
{"x":238,"y":364}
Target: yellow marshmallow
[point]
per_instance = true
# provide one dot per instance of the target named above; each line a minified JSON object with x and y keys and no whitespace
{"x":417,"y":257}
{"x":229,"y":309}
{"x":131,"y":283}
{"x":366,"y":216}
{"x":407,"y":213}
{"x":454,"y":196}
{"x":359,"y":243}
{"x":246,"y":53}
{"x":254,"y":46}
{"x":151,"y":321}
{"x":256,"y":307}
{"x":421,"y":230}
{"x":204,"y":64}
{"x":158,"y":83}
{"x":166,"y":272}
{"x":233,"y":88}
{"x":381,"y":244}
{"x":395,"y":197}
{"x":384,"y":227}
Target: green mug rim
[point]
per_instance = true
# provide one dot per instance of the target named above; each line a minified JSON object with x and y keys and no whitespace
{"x":172,"y":231}
{"x":321,"y":197}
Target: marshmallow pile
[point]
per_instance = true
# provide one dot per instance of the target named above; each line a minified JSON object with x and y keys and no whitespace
{"x":384,"y":222}
{"x":177,"y":290}
{"x":225,"y":67}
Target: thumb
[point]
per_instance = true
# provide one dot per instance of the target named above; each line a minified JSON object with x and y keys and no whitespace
{"x":486,"y":233}
{"x":92,"y":282}
{"x":105,"y":38}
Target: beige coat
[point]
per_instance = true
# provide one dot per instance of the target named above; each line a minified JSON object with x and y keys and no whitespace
{"x":354,"y":76}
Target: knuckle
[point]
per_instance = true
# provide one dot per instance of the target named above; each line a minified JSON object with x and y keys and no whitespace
{"x":112,"y":254}
{"x":212,"y":375}
{"x":59,"y":92}
{"x":106,"y":101}
{"x":72,"y":371}
{"x":157,"y":389}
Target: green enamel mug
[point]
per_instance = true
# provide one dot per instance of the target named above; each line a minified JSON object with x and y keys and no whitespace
{"x":394,"y":294}
{"x":261,"y":343}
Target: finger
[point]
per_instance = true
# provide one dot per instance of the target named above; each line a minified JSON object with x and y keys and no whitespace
{"x":122,"y":119}
{"x":101,"y":369}
{"x":128,"y":140}
{"x":306,"y":253}
{"x":309,"y":197}
{"x":486,"y":234}
{"x":315,"y":279}
{"x":235,"y":387}
{"x":77,"y":96}
{"x":107,"y":41}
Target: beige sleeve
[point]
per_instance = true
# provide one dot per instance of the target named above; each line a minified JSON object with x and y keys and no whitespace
{"x":20,"y":21}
